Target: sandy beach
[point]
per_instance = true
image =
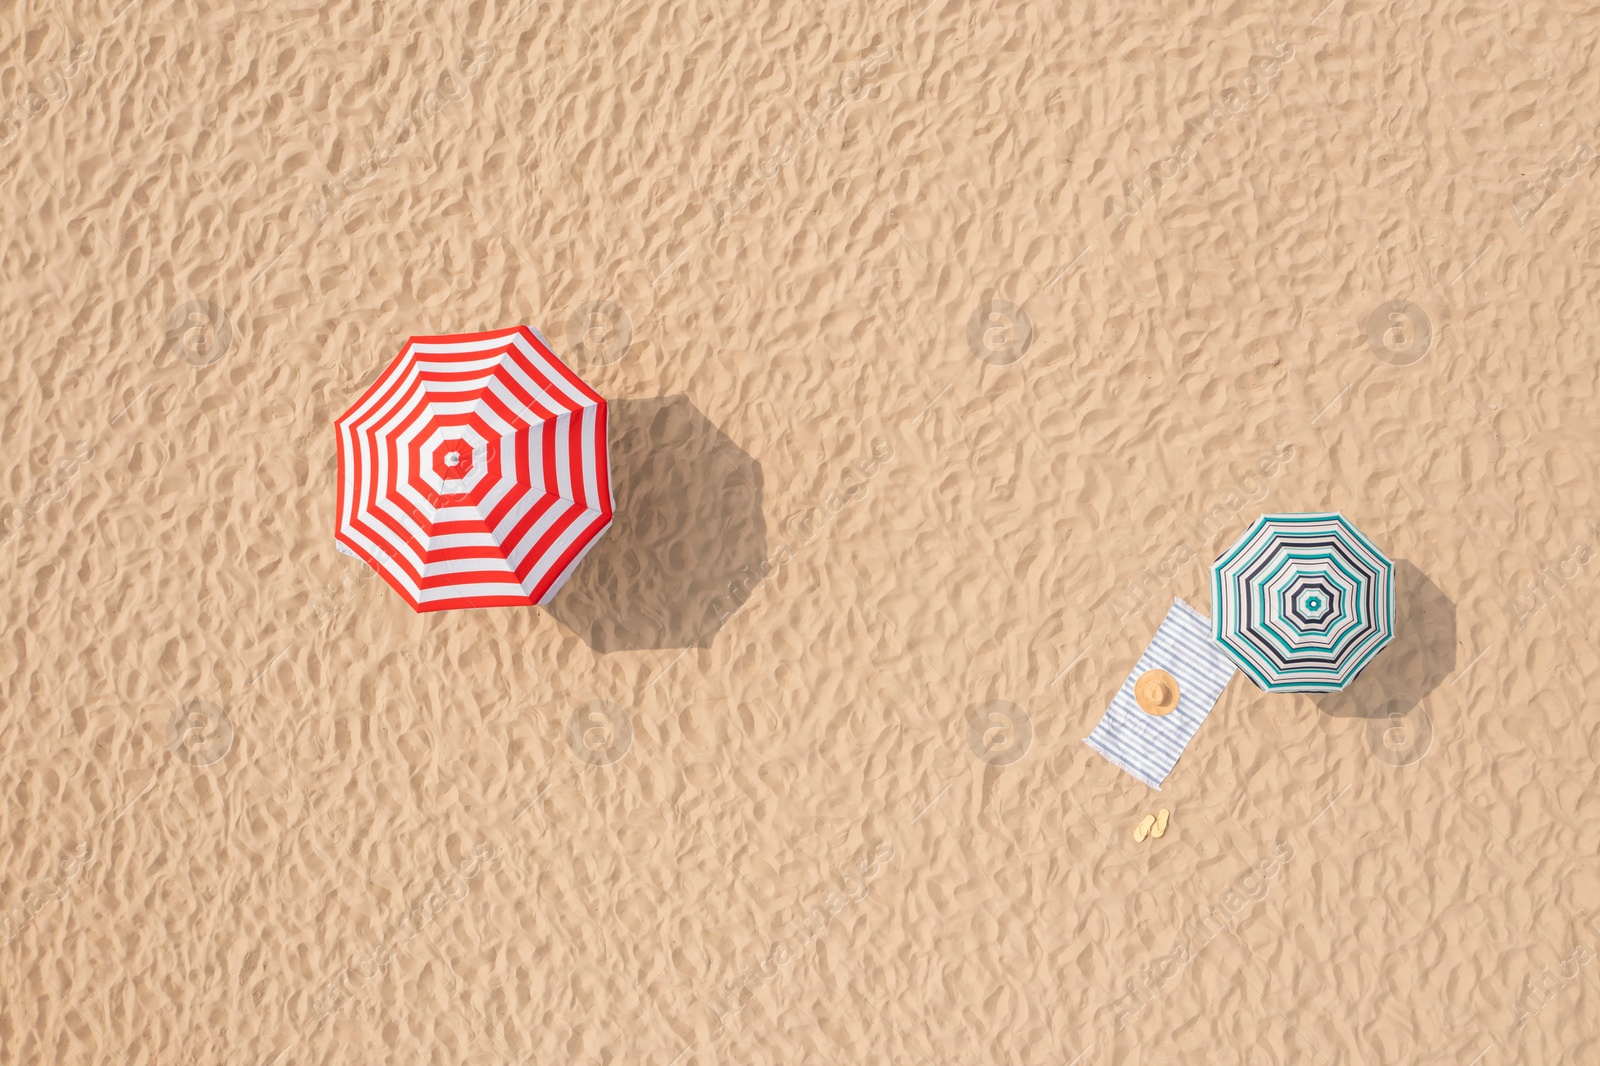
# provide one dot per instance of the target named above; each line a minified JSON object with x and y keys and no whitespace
{"x":946,"y":345}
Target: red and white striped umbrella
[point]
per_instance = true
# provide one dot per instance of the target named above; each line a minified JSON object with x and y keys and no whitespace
{"x":474,"y":471}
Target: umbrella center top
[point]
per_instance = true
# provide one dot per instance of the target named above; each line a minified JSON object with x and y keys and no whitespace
{"x":1314,"y":604}
{"x":454,"y":459}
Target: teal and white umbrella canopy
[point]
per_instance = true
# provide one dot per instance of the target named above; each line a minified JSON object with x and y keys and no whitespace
{"x":1302,"y":602}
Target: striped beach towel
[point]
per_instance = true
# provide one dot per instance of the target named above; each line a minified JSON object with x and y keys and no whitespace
{"x":1146,"y":745}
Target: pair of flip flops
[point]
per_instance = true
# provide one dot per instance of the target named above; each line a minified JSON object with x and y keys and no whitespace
{"x":1152,"y":825}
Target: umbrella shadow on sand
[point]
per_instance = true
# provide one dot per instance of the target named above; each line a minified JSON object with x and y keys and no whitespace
{"x":688,"y":542}
{"x":1418,"y":659}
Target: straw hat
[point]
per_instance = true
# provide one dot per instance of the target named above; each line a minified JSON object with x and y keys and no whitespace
{"x":1156,"y":692}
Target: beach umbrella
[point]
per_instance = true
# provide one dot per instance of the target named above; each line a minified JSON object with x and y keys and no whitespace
{"x":474,"y":471}
{"x":1302,"y":602}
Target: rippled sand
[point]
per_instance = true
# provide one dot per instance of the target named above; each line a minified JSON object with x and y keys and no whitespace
{"x":948,"y":344}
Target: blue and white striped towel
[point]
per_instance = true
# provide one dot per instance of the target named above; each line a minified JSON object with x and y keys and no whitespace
{"x":1146,"y":745}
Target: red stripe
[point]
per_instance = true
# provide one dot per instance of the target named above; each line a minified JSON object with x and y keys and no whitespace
{"x":602,"y":457}
{"x":580,"y":491}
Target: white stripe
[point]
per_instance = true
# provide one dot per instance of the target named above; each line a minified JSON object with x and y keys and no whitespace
{"x":537,"y":433}
{"x":466,"y":591}
{"x":488,"y":566}
{"x":562,"y":429}
{"x":591,"y":462}
{"x":443,"y":541}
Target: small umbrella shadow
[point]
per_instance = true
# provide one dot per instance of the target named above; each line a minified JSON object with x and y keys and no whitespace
{"x":1418,"y":659}
{"x":688,"y":541}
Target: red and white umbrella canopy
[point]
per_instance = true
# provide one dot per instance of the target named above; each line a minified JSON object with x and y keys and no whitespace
{"x":474,"y":471}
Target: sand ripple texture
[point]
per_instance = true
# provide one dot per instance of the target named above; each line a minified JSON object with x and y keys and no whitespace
{"x":948,"y":343}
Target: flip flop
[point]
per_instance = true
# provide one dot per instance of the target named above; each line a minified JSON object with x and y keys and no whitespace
{"x":1143,"y":828}
{"x":1160,"y":829}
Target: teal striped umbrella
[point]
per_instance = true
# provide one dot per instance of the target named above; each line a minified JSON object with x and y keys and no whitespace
{"x":1302,"y":602}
